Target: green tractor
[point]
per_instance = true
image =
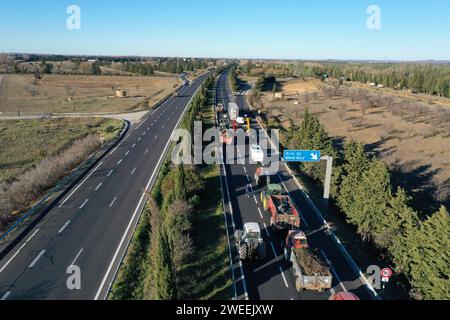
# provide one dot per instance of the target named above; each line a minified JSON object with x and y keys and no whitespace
{"x":271,"y":190}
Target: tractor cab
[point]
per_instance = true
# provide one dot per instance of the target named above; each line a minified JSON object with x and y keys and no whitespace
{"x":296,"y":239}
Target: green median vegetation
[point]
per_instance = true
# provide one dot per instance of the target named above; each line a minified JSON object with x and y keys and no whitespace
{"x":363,"y":192}
{"x":179,"y":250}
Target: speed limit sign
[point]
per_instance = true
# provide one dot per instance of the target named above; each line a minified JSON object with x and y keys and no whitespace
{"x":386,"y":274}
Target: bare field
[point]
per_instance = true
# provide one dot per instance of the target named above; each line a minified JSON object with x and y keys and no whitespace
{"x":80,"y":94}
{"x":413,"y":141}
{"x":24,"y":143}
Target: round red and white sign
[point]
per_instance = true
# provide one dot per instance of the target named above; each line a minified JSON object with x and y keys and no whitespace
{"x":386,"y":273}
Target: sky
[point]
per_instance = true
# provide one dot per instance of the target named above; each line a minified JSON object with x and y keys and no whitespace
{"x":276,"y":29}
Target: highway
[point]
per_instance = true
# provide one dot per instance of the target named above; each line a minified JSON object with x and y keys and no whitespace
{"x":91,"y":227}
{"x":273,"y":279}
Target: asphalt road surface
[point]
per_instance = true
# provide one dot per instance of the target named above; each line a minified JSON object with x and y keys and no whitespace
{"x":273,"y":279}
{"x":91,"y":227}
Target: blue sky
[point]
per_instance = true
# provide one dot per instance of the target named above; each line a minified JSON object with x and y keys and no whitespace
{"x":300,"y":29}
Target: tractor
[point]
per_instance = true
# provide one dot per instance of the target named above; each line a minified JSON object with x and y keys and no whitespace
{"x":249,"y":242}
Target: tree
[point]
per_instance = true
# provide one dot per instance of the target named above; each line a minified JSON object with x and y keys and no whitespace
{"x":430,"y":263}
{"x":401,"y":223}
{"x":443,"y":88}
{"x":180,"y":183}
{"x":164,"y":275}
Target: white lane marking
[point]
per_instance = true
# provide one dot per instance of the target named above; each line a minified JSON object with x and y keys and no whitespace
{"x":76,"y":258}
{"x":127,"y":153}
{"x":134,"y":145}
{"x":146,"y":151}
{"x":18,"y":251}
{"x":156,"y":137}
{"x":119,"y":162}
{"x":84,"y":203}
{"x":99,"y":186}
{"x":144,"y":133}
{"x":33,"y":263}
{"x":140,"y":138}
{"x":284,"y":278}
{"x":136,"y":212}
{"x":256,"y":201}
{"x":112,"y":203}
{"x":245,"y":170}
{"x":141,"y":124}
{"x":71,"y":194}
{"x":162,"y":127}
{"x":267,"y":231}
{"x":260,"y":213}
{"x":123,"y":140}
{"x":273,"y":249}
{"x":110,"y":173}
{"x":334,"y":271}
{"x":5,"y":296}
{"x":64,"y":227}
{"x":132,"y":172}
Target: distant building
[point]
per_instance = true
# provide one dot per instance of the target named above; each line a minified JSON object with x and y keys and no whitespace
{"x":121,"y":93}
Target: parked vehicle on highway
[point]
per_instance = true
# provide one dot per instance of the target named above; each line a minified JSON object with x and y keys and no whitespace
{"x":283,"y":214}
{"x":310,"y":270}
{"x":250,"y":244}
{"x":256,"y":154}
{"x":233,"y":111}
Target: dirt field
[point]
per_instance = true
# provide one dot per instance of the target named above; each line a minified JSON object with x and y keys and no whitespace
{"x":24,"y":143}
{"x":414,"y":142}
{"x":80,"y":94}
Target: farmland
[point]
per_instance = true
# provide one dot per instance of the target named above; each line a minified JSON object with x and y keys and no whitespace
{"x":411,"y":135}
{"x":21,"y":95}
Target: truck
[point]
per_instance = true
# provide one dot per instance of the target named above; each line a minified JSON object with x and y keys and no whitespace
{"x":233,"y":111}
{"x":250,"y":244}
{"x":283,"y":214}
{"x":311,"y":272}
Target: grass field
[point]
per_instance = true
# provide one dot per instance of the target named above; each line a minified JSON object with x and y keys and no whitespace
{"x":415,"y":143}
{"x":24,"y":143}
{"x":80,"y":94}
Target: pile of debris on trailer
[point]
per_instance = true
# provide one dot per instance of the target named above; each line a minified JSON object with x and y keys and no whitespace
{"x":311,"y":263}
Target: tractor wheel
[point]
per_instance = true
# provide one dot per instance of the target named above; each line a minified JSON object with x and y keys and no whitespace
{"x":243,"y":251}
{"x":262,"y":251}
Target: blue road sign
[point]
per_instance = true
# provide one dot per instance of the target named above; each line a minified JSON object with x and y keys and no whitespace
{"x":302,"y":156}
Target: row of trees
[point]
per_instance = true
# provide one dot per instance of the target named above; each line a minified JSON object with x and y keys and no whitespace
{"x":363,"y":191}
{"x":175,"y":66}
{"x":233,"y":78}
{"x":431,"y":79}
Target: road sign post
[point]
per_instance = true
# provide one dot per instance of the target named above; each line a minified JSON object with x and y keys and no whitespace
{"x":313,"y":156}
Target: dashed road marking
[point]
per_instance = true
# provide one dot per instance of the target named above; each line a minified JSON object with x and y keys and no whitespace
{"x":39,"y":256}
{"x":64,"y":227}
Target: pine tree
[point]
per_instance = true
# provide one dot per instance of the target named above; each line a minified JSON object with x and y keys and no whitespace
{"x":165,"y":279}
{"x":180,"y":184}
{"x":430,"y":270}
